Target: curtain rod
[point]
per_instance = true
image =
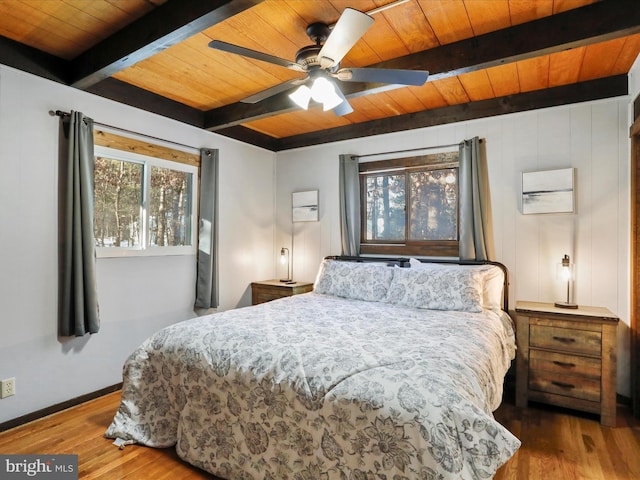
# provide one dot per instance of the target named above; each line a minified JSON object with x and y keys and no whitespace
{"x":60,"y":113}
{"x":410,"y":150}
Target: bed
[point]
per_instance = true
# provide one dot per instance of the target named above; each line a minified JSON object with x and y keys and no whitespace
{"x":382,"y":372}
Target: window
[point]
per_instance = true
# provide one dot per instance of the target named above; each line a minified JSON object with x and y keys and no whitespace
{"x":409,"y":206}
{"x":143,"y":205}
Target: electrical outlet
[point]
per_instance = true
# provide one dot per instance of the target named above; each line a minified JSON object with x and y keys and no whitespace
{"x":7,"y":387}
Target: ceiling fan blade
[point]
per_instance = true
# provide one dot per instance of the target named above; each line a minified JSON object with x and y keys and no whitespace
{"x":247,"y":52}
{"x":347,"y":31}
{"x":343,"y":108}
{"x":383,"y":75}
{"x":271,"y":91}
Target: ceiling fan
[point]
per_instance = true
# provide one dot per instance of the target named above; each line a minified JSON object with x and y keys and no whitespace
{"x":321,"y":63}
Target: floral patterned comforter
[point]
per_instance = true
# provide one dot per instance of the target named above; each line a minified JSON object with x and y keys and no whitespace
{"x":320,"y":387}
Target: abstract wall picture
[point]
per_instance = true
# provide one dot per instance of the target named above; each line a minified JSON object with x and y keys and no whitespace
{"x":305,"y":206}
{"x":548,"y":191}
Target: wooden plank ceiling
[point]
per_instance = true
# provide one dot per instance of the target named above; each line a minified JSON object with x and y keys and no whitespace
{"x":485,"y":57}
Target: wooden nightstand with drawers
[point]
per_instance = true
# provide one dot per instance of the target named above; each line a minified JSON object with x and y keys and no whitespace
{"x":567,"y":357}
{"x":268,"y":290}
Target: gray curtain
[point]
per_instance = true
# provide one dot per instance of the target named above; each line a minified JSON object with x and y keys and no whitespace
{"x":476,"y":230}
{"x":349,"y":205}
{"x":79,"y":312}
{"x":207,"y":277}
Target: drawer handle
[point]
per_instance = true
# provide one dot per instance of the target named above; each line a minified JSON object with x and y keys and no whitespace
{"x":564,"y":364}
{"x":565,"y":339}
{"x":563,"y":385}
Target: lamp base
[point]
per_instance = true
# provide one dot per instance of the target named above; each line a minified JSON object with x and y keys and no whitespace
{"x":565,"y":305}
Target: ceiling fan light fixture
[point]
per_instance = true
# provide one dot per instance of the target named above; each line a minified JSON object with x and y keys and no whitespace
{"x":324,"y":91}
{"x":301,"y":96}
{"x":321,"y":62}
{"x":321,"y":89}
{"x":331,"y":101}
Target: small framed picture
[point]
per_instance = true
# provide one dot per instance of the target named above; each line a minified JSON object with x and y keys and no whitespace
{"x":305,"y":206}
{"x":548,"y":191}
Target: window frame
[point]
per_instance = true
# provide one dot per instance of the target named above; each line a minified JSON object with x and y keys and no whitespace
{"x":146,"y":250}
{"x":431,"y":248}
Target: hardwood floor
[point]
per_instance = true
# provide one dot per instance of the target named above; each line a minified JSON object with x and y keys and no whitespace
{"x":566,"y":444}
{"x":555,"y":445}
{"x":79,"y":430}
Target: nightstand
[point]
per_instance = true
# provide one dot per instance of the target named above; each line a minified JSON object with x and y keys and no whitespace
{"x":567,"y":357}
{"x":271,"y":289}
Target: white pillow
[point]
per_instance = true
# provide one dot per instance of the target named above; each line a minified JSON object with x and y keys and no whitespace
{"x":492,"y":280}
{"x":493,"y":286}
{"x":437,"y":289}
{"x":357,"y":280}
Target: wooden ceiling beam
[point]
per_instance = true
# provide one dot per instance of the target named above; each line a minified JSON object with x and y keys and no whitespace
{"x":32,"y":60}
{"x":593,"y":23}
{"x":252,"y":137}
{"x":128,"y":94}
{"x":161,"y":28}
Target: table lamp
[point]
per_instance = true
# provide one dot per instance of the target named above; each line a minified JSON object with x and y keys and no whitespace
{"x":564,"y":271}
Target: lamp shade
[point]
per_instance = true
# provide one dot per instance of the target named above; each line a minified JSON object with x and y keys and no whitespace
{"x":285,"y":265}
{"x":331,"y":101}
{"x":564,"y":272}
{"x":301,"y":96}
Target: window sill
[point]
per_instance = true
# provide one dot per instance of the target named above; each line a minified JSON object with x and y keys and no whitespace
{"x":113,"y":252}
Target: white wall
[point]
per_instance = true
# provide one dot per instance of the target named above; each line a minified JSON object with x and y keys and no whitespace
{"x":137,"y":295}
{"x":592,"y":137}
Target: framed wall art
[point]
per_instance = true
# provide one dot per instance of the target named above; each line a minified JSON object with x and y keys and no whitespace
{"x":548,"y":191}
{"x":305,"y":206}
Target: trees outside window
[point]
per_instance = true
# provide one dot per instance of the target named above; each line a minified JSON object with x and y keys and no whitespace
{"x":117,"y":203}
{"x":170,"y":207}
{"x":142,"y":205}
{"x":410,"y":205}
